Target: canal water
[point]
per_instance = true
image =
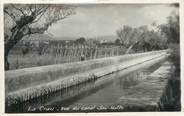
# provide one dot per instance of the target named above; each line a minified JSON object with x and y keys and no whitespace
{"x":95,"y":95}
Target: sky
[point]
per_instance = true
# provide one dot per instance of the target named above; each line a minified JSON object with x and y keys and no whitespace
{"x":92,"y":21}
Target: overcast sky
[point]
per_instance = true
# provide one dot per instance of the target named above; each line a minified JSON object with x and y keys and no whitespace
{"x":101,"y":20}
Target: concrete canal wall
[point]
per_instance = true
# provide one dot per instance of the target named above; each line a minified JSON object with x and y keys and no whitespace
{"x":153,"y":94}
{"x":29,"y":83}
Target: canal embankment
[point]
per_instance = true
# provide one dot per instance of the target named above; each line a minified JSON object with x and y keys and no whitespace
{"x":29,"y":83}
{"x":153,"y":94}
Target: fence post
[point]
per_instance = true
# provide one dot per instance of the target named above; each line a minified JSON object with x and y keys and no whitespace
{"x":117,"y":51}
{"x":105,"y":51}
{"x":95,"y":54}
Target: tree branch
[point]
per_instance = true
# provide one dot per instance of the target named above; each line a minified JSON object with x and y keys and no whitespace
{"x":39,"y":16}
{"x":20,"y":10}
{"x":45,"y":27}
{"x":10,"y":15}
{"x":36,"y":30}
{"x":41,"y":10}
{"x":31,"y":10}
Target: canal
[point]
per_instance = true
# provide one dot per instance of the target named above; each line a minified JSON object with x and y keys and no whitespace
{"x":95,"y":95}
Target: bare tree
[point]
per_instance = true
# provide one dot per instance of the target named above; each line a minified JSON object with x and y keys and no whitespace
{"x":26,"y":19}
{"x":124,"y":34}
{"x":149,"y":39}
{"x":130,"y":36}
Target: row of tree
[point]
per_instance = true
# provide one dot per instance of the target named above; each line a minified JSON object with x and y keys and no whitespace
{"x":140,"y":38}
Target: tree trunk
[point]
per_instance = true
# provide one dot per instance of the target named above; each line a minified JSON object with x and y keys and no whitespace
{"x":129,"y":48}
{"x":16,"y":36}
{"x":7,"y":65}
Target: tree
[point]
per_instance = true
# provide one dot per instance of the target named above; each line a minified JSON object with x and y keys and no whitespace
{"x":136,"y":37}
{"x":26,"y":19}
{"x":42,"y":47}
{"x":124,"y":34}
{"x":141,"y":37}
{"x":81,"y":40}
{"x":171,"y":29}
{"x":131,"y":36}
{"x":117,"y":42}
{"x":25,"y":48}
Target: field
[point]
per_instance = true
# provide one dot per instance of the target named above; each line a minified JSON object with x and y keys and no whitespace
{"x":60,"y":54}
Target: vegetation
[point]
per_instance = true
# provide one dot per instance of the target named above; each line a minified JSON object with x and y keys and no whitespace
{"x":140,"y":39}
{"x":171,"y":29}
{"x":172,"y":32}
{"x":81,"y":40}
{"x":26,"y":20}
{"x":29,"y":19}
{"x":56,"y":54}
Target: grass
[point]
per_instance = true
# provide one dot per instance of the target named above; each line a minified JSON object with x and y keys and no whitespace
{"x":33,"y":59}
{"x":174,"y":82}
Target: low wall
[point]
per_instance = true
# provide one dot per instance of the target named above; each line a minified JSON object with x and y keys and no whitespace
{"x":22,"y":78}
{"x":28,"y":83}
{"x":153,"y":94}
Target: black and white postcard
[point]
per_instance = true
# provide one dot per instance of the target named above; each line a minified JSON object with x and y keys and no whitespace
{"x":96,"y":57}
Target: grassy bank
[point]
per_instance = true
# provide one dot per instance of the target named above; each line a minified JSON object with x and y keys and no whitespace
{"x":60,"y":55}
{"x":174,"y":82}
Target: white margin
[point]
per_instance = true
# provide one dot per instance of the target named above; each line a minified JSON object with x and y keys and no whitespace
{"x":2,"y":90}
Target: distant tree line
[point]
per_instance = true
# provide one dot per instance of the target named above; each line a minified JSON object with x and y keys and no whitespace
{"x":144,"y":39}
